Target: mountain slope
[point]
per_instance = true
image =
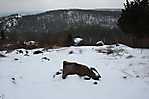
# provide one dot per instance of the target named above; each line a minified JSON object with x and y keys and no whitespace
{"x":84,"y":23}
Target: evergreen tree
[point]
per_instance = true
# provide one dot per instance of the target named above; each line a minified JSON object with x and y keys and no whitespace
{"x":135,"y":17}
{"x":2,"y":35}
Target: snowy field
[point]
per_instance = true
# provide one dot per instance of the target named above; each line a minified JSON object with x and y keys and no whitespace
{"x":125,"y":74}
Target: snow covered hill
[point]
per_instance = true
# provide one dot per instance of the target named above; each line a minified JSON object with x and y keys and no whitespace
{"x":124,"y":71}
{"x":78,"y":22}
{"x":61,"y":20}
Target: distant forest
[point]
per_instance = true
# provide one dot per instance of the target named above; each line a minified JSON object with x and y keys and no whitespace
{"x":59,"y":27}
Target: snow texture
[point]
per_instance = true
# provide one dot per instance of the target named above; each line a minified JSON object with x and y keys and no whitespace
{"x":125,"y":74}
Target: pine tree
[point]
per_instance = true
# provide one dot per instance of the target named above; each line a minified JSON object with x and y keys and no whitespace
{"x":135,"y":18}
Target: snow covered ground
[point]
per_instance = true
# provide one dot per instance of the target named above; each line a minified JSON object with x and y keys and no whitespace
{"x":125,"y":74}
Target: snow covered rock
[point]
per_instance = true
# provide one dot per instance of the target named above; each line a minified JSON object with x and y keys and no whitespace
{"x":31,"y":43}
{"x":100,"y":43}
{"x":2,"y":55}
{"x":72,"y":68}
{"x":77,"y":41}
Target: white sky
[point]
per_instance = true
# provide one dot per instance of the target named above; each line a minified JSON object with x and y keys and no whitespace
{"x":42,"y":5}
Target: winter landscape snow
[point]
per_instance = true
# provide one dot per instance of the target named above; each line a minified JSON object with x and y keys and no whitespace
{"x":124,"y":73}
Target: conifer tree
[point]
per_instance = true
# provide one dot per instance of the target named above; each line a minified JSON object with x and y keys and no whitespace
{"x":135,"y":18}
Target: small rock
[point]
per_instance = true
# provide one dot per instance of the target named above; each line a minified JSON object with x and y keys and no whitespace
{"x":58,"y":73}
{"x":26,"y":55}
{"x":71,"y":52}
{"x":124,"y":77}
{"x":87,"y":78}
{"x":16,"y":59}
{"x":37,"y":52}
{"x":95,"y":83}
{"x":13,"y":78}
{"x":26,"y":52}
{"x":19,"y":52}
{"x":1,"y":55}
{"x":45,"y":58}
{"x":137,"y":76}
{"x":130,"y":56}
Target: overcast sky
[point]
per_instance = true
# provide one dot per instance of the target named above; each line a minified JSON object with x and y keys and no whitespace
{"x":12,"y":6}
